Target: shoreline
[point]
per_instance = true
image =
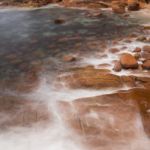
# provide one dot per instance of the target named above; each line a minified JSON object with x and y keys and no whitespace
{"x":58,"y":77}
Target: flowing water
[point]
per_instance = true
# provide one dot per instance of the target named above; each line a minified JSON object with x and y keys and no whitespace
{"x":29,"y":38}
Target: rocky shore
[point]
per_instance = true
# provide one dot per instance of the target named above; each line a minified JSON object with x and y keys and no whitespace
{"x":117,"y":6}
{"x":81,"y":79}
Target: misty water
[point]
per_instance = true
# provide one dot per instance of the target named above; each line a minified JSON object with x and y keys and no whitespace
{"x":30,"y":38}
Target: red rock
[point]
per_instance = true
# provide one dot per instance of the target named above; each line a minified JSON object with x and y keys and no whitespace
{"x":85,"y":3}
{"x":146,"y":48}
{"x":102,"y":120}
{"x":128,"y":61}
{"x":133,"y":5}
{"x":128,"y":80}
{"x":133,"y":35}
{"x":146,"y":64}
{"x":35,"y":3}
{"x":147,"y":27}
{"x":114,"y":50}
{"x":143,"y":81}
{"x":145,"y":55}
{"x":141,"y":38}
{"x":118,"y":7}
{"x":69,"y":58}
{"x":91,"y":78}
{"x":119,"y":10}
{"x":142,"y":97}
{"x":59,"y":21}
{"x":117,"y":66}
{"x":137,"y":49}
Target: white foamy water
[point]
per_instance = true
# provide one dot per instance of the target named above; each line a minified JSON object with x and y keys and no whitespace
{"x":108,"y":59}
{"x":54,"y":136}
{"x":57,"y":135}
{"x":50,"y":93}
{"x":97,"y":62}
{"x":129,"y":46}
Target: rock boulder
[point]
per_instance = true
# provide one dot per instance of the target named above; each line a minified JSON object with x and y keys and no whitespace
{"x":128,"y":61}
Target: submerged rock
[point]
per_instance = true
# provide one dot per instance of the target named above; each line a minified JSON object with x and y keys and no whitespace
{"x":146,"y":64}
{"x":20,"y":112}
{"x":145,"y":55}
{"x":129,"y":80}
{"x":117,"y":66}
{"x":146,"y":48}
{"x":69,"y":58}
{"x":25,"y":82}
{"x":143,"y":81}
{"x":146,"y":52}
{"x":114,"y":50}
{"x":141,"y":38}
{"x":59,"y":21}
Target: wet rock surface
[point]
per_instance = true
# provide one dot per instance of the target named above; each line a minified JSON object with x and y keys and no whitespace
{"x":128,"y":61}
{"x":135,"y":6}
{"x":79,"y":76}
{"x":92,"y":78}
{"x":146,"y":64}
{"x":35,"y":3}
{"x":117,"y":66}
{"x":118,"y":7}
{"x":69,"y":58}
{"x":17,"y":111}
{"x":111,"y":118}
